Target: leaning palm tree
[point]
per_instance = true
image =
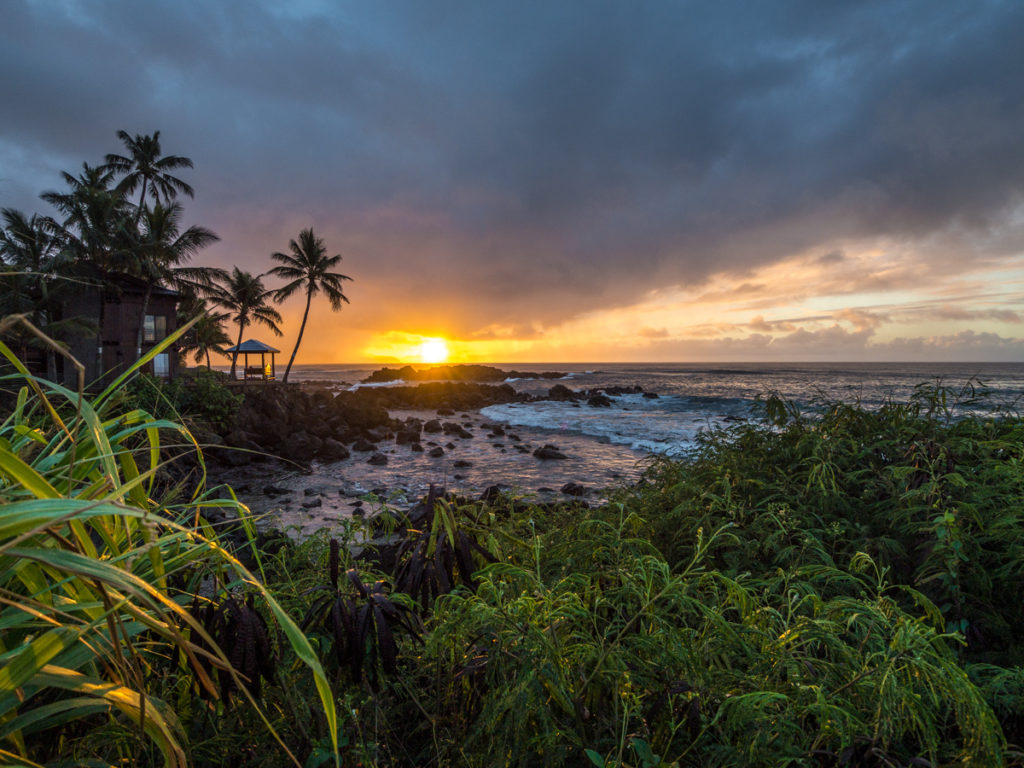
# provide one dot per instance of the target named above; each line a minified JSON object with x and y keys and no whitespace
{"x":308,"y":266}
{"x":144,"y":167}
{"x":161,"y":252}
{"x":247,"y":302}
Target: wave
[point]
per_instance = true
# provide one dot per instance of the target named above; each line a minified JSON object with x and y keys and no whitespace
{"x":378,"y":384}
{"x":631,"y":421}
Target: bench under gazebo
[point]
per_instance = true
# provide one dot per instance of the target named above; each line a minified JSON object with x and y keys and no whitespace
{"x":264,"y":371}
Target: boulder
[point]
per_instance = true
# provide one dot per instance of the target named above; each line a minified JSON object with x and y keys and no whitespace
{"x":562,"y":393}
{"x":300,"y":446}
{"x":274,"y":490}
{"x":461,"y":463}
{"x":234,"y":458}
{"x":432,"y":426}
{"x":549,"y":452}
{"x":574,"y":489}
{"x":407,"y":437}
{"x":437,"y":452}
{"x":363,"y":445}
{"x":416,"y":448}
{"x":451,"y":428}
{"x":378,"y":459}
{"x":312,"y":503}
{"x":333,"y":450}
{"x":599,"y":401}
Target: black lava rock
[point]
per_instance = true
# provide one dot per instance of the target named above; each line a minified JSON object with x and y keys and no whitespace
{"x":549,"y":452}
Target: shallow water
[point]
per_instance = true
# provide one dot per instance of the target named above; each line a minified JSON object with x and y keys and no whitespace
{"x":407,"y":475}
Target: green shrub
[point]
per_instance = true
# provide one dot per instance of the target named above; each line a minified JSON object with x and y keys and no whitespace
{"x":202,"y":398}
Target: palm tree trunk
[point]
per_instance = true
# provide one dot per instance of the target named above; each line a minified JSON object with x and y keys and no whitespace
{"x":142,"y":321}
{"x":302,"y":328}
{"x":99,"y":333}
{"x":234,"y":357}
{"x":208,"y":366}
{"x":142,"y":201}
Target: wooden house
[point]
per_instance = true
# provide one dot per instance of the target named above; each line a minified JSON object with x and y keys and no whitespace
{"x":116,"y":314}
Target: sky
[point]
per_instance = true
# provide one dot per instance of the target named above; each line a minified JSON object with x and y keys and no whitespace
{"x":574,"y":181}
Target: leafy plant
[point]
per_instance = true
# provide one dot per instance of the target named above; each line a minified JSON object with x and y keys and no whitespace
{"x":440,"y":554}
{"x":96,"y":573}
{"x":235,"y":625}
{"x":359,"y":622}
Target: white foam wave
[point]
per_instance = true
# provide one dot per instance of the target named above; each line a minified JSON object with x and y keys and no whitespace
{"x":377,"y":384}
{"x":646,"y":429}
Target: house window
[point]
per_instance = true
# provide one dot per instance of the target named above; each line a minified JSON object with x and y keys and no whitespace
{"x":154,"y":328}
{"x":161,"y":365}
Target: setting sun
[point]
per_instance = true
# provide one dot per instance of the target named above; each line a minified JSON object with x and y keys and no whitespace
{"x":433,"y":351}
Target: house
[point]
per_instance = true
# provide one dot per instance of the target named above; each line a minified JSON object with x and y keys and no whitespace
{"x":116,"y":314}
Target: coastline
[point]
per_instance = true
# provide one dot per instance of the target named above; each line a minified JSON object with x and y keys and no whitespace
{"x":386,"y":458}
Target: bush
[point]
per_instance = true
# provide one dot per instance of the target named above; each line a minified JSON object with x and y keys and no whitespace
{"x":202,"y":398}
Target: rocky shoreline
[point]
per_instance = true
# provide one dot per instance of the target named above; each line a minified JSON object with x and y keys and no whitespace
{"x":473,"y":373}
{"x":303,"y":424}
{"x":308,"y":457}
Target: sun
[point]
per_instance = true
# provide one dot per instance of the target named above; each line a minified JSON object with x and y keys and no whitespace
{"x":433,"y":351}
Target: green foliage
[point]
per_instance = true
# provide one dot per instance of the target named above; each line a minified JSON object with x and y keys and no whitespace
{"x":202,"y":398}
{"x":823,"y":588}
{"x":934,"y":499}
{"x":96,"y":571}
{"x":597,"y":644}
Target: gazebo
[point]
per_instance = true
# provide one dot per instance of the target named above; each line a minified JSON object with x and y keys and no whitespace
{"x":264,"y":371}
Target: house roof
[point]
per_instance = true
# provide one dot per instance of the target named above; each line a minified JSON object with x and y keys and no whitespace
{"x":252,"y":345}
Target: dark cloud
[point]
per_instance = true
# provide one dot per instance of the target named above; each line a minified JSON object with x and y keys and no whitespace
{"x":519,"y":162}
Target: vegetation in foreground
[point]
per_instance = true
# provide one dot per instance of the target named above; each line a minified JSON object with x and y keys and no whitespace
{"x":810,"y":591}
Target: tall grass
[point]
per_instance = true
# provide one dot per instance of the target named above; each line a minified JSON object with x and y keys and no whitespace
{"x":97,"y":571}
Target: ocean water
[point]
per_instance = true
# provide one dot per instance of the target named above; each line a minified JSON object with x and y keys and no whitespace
{"x":692,"y":397}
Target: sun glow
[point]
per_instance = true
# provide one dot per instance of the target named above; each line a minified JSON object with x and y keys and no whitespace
{"x":433,"y":351}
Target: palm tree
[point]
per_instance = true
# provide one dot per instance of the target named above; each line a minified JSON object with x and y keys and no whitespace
{"x":143,"y":166}
{"x":207,"y":335}
{"x":247,"y":302}
{"x":95,"y":235}
{"x":161,"y":251}
{"x":309,"y":267}
{"x":29,"y":256}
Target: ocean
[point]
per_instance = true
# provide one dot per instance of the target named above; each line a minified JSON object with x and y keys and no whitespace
{"x":605,"y":447}
{"x":693,"y":396}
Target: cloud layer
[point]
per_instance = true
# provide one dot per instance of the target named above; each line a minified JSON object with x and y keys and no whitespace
{"x":493,"y":168}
